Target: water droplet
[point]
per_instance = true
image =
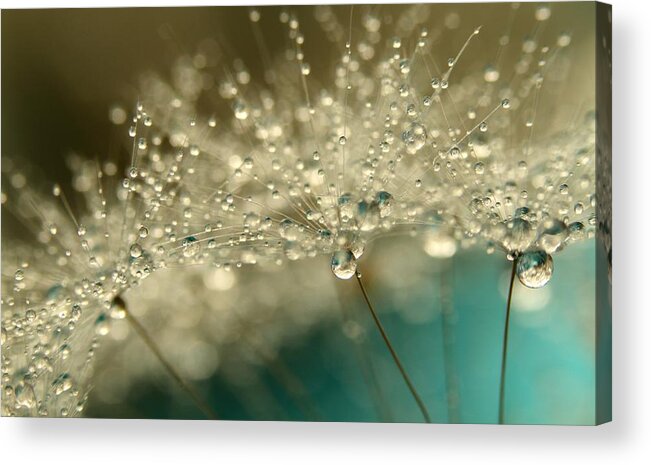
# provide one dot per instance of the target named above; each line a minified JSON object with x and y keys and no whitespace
{"x":241,"y":111}
{"x":102,"y":325}
{"x":543,"y":12}
{"x":62,"y":383}
{"x":75,"y":313}
{"x":141,"y":267}
{"x":535,"y":268}
{"x":385,"y":203}
{"x":25,"y":396}
{"x":577,"y":230}
{"x":491,"y":74}
{"x":368,"y":215}
{"x":552,"y":238}
{"x":118,"y":309}
{"x":252,"y":220}
{"x":135,"y":250}
{"x":190,"y":246}
{"x":564,"y":40}
{"x":414,"y":137}
{"x":405,"y":66}
{"x":343,"y":264}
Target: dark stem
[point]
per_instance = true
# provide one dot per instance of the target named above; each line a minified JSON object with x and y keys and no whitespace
{"x":396,"y":359}
{"x":447,"y":326}
{"x":505,"y":343}
{"x":135,"y":324}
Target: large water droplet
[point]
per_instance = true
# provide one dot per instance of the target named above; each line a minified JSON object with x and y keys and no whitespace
{"x":535,"y":268}
{"x":252,"y":220}
{"x":191,"y":246}
{"x":135,"y":250}
{"x":62,"y":383}
{"x":25,"y":396}
{"x":346,"y":207}
{"x":385,"y":203}
{"x":368,"y":216}
{"x":289,"y":230}
{"x":343,"y":264}
{"x":552,"y":238}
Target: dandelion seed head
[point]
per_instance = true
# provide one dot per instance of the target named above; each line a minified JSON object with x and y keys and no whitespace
{"x":229,"y":170}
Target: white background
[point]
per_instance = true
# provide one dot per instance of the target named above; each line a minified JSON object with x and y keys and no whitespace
{"x":626,"y":440}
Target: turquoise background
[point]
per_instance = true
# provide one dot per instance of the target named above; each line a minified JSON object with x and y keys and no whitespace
{"x":551,"y":361}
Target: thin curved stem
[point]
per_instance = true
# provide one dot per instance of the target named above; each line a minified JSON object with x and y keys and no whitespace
{"x":505,"y":343}
{"x":135,"y":324}
{"x":396,"y":359}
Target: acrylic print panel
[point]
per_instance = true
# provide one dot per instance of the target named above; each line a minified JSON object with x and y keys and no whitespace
{"x":370,"y":213}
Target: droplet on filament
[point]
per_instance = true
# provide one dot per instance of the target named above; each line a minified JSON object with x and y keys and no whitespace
{"x":343,"y":264}
{"x":535,"y":268}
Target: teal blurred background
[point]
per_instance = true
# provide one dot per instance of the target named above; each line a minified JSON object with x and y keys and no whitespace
{"x":551,"y":360}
